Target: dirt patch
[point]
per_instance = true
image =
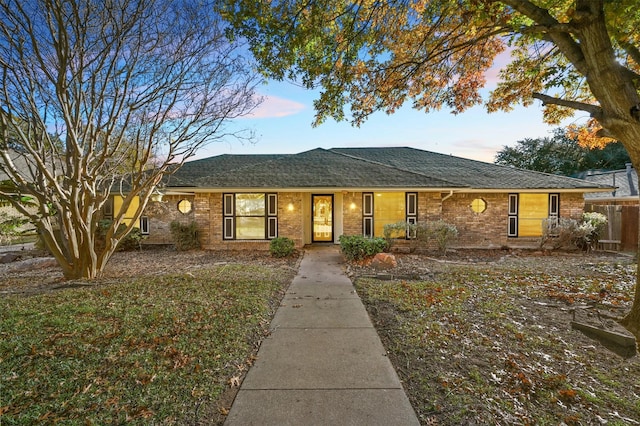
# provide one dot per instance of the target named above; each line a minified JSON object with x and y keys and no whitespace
{"x":485,"y":337}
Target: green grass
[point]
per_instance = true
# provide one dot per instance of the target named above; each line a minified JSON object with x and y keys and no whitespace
{"x":147,"y":349}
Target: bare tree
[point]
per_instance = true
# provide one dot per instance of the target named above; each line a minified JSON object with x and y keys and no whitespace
{"x":104,"y":95}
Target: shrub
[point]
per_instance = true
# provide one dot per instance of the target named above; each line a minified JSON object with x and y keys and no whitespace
{"x":282,"y":247}
{"x":130,"y":242}
{"x":443,"y":232}
{"x":560,"y":233}
{"x":423,"y":233}
{"x":570,"y":234}
{"x":185,"y":236}
{"x":10,"y":227}
{"x":357,"y":247}
{"x":398,"y":230}
{"x":393,"y":231}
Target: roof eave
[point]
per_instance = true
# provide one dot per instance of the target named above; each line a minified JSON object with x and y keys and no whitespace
{"x":183,"y":190}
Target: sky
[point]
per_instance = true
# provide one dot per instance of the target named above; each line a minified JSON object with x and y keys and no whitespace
{"x":282,"y":125}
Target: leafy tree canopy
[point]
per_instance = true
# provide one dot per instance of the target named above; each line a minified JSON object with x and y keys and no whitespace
{"x":562,"y":154}
{"x":577,"y":55}
{"x":573,"y":55}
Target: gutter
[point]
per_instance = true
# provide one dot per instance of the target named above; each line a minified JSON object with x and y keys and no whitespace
{"x":632,"y":189}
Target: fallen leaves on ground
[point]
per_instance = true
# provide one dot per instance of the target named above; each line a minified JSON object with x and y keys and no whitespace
{"x":490,"y":341}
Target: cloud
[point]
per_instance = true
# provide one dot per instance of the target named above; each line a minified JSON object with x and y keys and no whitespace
{"x":475,"y":149}
{"x":500,"y":61}
{"x":276,"y":107}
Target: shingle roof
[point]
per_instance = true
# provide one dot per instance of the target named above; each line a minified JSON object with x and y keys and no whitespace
{"x":193,"y":171}
{"x":345,"y":168}
{"x":465,"y":172}
{"x":625,"y":183}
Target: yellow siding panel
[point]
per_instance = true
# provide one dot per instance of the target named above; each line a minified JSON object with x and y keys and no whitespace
{"x":117,"y":208}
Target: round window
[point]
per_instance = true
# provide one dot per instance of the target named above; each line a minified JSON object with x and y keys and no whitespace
{"x":478,"y":205}
{"x":184,"y":206}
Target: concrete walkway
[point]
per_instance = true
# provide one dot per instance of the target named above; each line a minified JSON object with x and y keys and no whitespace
{"x":324,"y":363}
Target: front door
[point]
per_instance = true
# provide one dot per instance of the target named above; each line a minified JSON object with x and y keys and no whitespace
{"x":322,"y":206}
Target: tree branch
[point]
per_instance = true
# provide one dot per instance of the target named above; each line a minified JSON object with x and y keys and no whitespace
{"x":594,"y":110}
{"x":557,"y":33}
{"x":632,"y":51}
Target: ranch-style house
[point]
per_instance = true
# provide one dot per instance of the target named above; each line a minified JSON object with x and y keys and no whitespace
{"x":244,"y":201}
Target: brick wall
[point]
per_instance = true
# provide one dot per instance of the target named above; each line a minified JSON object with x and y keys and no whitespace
{"x":162,"y":213}
{"x":487,"y":229}
{"x":429,"y":206}
{"x":571,"y":205}
{"x":352,"y":217}
{"x":209,"y":216}
{"x":291,"y":222}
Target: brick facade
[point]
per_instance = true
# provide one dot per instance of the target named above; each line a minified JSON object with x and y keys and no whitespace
{"x":352,"y":213}
{"x":487,"y":229}
{"x":290,"y":217}
{"x":162,"y":213}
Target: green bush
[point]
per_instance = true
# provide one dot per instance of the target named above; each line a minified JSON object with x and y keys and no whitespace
{"x":282,"y":247}
{"x":357,"y":247}
{"x":185,"y":236}
{"x":130,"y":242}
{"x":10,"y":227}
{"x":398,"y":230}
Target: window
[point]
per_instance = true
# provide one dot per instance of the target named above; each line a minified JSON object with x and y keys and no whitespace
{"x":184,"y":206}
{"x":382,"y":208}
{"x":250,"y":216}
{"x":513,"y":216}
{"x":527,"y":213}
{"x":478,"y":205}
{"x":144,"y":225}
{"x":367,"y":213}
{"x":108,"y":208}
{"x":412,"y":211}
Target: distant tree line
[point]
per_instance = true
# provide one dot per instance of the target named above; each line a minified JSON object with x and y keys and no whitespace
{"x":562,"y":155}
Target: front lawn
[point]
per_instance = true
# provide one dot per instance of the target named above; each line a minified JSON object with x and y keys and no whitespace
{"x":146,"y":349}
{"x":491,"y":343}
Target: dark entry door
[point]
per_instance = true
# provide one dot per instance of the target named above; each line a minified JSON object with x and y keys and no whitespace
{"x":322,"y":206}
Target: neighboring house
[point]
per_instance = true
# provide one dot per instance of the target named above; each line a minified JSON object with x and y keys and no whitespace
{"x":620,"y":205}
{"x":624,"y":185}
{"x":243,"y":201}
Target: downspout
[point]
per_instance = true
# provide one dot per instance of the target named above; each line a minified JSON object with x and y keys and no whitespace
{"x":632,"y":189}
{"x":446,"y":197}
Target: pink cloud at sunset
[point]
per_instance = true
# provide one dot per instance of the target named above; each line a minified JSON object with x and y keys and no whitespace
{"x":275,"y":107}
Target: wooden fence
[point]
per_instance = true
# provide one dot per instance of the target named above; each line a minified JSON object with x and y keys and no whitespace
{"x":621,"y":232}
